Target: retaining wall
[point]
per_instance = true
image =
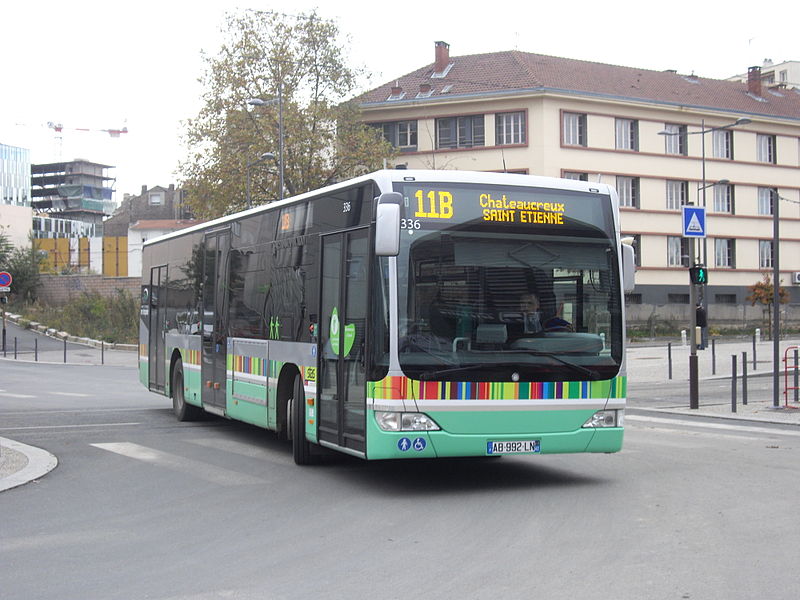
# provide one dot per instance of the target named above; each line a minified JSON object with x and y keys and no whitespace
{"x":57,"y":290}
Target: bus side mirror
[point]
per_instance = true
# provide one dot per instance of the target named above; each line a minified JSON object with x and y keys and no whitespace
{"x":628,"y":268}
{"x":387,"y":224}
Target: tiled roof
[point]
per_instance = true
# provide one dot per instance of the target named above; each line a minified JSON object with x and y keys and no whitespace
{"x":500,"y":73}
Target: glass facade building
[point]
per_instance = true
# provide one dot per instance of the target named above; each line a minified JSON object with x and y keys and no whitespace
{"x":15,"y":175}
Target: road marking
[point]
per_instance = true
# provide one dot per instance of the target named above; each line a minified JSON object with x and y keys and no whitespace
{"x":242,"y":449}
{"x":745,"y":428}
{"x":68,"y":426}
{"x":10,"y":395}
{"x":71,"y":394}
{"x":173,"y":462}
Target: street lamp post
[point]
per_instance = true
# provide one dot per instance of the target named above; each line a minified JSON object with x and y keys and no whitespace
{"x":279,"y":102}
{"x":251,"y":164}
{"x":693,"y":375}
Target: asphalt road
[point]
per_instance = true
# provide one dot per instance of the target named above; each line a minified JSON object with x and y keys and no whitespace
{"x":141,"y":506}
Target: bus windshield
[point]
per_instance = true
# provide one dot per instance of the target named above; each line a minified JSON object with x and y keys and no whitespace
{"x":507,"y":284}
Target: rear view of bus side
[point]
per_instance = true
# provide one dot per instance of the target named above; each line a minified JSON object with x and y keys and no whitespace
{"x":403,"y":314}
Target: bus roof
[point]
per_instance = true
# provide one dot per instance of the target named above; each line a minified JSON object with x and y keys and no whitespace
{"x":384,"y":178}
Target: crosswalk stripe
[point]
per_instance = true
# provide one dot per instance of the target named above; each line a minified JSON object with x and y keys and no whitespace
{"x":173,"y":462}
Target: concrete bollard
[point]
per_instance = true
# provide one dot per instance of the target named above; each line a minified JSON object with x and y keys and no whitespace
{"x":683,"y":337}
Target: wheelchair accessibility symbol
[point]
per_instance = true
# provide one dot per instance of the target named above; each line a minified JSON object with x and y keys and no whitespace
{"x":404,"y":444}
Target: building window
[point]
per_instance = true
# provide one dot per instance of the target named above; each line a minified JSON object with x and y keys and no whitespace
{"x":400,"y":134}
{"x":725,"y":298}
{"x":676,"y":139}
{"x":724,"y":253}
{"x":574,"y":175}
{"x":678,"y":298}
{"x":460,"y":132}
{"x":633,"y":298}
{"x":765,"y":254}
{"x":628,"y":189}
{"x":723,"y":198}
{"x":677,"y":194}
{"x":156,"y":199}
{"x":766,"y":148}
{"x":677,"y":251}
{"x":574,"y":129}
{"x":627,"y":134}
{"x":510,"y":128}
{"x":723,"y":144}
{"x":765,"y":199}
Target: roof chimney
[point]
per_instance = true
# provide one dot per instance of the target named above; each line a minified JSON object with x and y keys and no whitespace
{"x":397,"y":90}
{"x":442,"y":57}
{"x":754,"y":81}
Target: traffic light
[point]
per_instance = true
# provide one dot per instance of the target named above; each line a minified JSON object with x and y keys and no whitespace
{"x":698,"y":274}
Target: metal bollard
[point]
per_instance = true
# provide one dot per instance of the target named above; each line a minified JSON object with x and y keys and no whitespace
{"x":36,"y":349}
{"x":744,"y":378}
{"x":15,"y":347}
{"x":756,"y":336}
{"x":733,"y":383}
{"x":796,"y":368}
{"x":669,"y":359}
{"x":102,"y":352}
{"x":65,"y":350}
{"x":713,"y":356}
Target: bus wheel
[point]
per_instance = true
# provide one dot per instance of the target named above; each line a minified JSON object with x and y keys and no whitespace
{"x":183,"y":411}
{"x":301,"y":448}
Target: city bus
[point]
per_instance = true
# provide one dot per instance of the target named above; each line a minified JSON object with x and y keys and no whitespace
{"x":400,"y":314}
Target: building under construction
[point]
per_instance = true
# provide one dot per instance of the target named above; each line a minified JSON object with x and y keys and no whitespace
{"x":75,"y":195}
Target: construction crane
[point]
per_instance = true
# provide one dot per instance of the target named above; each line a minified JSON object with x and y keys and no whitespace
{"x":58,"y":129}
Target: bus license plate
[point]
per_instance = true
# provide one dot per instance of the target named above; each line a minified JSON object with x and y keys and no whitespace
{"x":519,"y":447}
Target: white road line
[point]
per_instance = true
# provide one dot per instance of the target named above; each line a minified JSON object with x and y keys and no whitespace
{"x":68,"y":426}
{"x":706,"y":425}
{"x":173,"y":462}
{"x":71,"y":394}
{"x":10,"y":395}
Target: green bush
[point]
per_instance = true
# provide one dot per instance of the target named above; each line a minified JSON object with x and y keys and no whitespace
{"x":112,"y":319}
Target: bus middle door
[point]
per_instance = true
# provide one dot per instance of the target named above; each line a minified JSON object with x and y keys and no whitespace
{"x":342,"y":382}
{"x":216,"y":304}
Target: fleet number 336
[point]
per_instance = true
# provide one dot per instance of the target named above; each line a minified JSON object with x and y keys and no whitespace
{"x":434,"y":204}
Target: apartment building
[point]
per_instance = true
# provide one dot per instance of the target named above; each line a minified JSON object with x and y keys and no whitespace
{"x":664,"y":139}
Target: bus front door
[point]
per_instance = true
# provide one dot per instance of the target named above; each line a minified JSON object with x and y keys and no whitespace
{"x":215,"y":319}
{"x":342,"y":390}
{"x":157,"y":326}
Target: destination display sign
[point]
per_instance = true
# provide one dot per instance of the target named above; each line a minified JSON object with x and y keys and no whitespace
{"x":442,"y":206}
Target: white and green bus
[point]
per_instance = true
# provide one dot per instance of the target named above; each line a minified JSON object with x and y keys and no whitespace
{"x":401,"y":314}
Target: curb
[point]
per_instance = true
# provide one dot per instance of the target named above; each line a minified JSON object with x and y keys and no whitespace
{"x":63,"y":335}
{"x":27,"y":463}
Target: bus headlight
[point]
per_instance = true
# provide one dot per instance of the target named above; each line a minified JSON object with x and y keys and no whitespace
{"x":606,"y":418}
{"x":397,"y":421}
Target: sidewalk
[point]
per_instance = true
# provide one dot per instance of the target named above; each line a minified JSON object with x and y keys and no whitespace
{"x":648,"y":368}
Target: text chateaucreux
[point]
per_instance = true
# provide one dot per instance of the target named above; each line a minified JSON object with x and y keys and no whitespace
{"x":517,"y":211}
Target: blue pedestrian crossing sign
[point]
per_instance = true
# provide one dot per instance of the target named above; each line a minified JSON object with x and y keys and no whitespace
{"x":694,"y":221}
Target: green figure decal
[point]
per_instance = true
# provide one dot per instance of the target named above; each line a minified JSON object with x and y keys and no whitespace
{"x":349,"y":334}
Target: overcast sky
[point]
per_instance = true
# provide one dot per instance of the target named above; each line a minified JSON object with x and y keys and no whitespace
{"x":106,"y":65}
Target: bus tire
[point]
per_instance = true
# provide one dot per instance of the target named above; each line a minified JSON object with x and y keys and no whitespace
{"x":301,"y":448}
{"x":182,"y":410}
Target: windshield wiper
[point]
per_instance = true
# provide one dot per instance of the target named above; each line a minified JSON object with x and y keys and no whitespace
{"x":590,"y":373}
{"x":425,"y":375}
{"x":576,"y":367}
